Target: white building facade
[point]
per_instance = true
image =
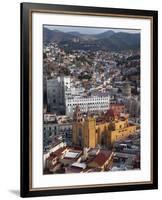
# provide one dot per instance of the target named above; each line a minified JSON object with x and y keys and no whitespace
{"x":63,"y":97}
{"x":91,"y":104}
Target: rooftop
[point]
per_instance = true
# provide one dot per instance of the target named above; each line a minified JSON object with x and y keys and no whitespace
{"x":71,"y":154}
{"x":79,"y":165}
{"x":59,"y":151}
{"x":73,"y":169}
{"x":102,"y":157}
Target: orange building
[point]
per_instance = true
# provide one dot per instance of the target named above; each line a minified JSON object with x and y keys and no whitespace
{"x":91,"y":132}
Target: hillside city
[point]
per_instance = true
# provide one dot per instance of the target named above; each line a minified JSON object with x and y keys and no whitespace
{"x":91,"y":104}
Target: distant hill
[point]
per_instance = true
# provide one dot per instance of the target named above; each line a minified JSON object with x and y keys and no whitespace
{"x":105,"y":34}
{"x":75,"y":33}
{"x":55,"y":35}
{"x":121,"y":41}
{"x":108,"y":40}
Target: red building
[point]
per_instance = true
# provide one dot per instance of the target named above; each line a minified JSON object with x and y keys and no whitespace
{"x":118,"y":108}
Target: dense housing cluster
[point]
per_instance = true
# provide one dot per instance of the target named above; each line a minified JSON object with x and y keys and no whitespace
{"x":91,"y":107}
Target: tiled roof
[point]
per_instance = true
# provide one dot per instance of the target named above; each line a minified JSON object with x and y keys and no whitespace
{"x":101,"y":158}
{"x":59,"y":151}
{"x":111,"y":113}
{"x":51,"y":157}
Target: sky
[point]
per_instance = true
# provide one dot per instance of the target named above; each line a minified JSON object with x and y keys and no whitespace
{"x":87,"y":30}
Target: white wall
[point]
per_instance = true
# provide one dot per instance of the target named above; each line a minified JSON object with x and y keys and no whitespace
{"x":9,"y":101}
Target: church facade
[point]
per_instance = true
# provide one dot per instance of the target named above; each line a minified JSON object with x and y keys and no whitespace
{"x":92,"y":132}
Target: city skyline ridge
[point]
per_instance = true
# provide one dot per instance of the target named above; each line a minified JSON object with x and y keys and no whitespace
{"x":89,"y":30}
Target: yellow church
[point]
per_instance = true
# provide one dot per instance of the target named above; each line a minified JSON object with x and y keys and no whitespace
{"x":90,"y":132}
